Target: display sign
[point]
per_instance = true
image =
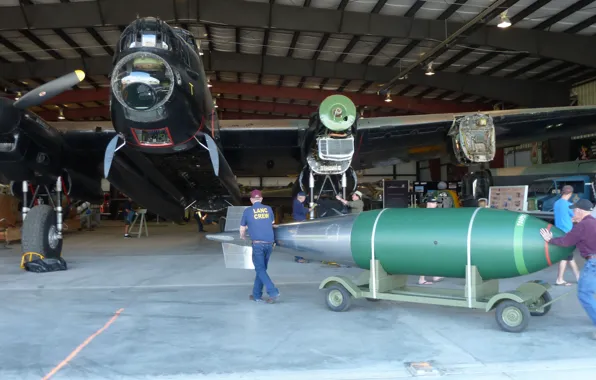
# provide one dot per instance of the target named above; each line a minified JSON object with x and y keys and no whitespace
{"x":396,"y":193}
{"x":513,"y":198}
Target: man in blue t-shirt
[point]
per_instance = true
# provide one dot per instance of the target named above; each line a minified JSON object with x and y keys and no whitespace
{"x":259,"y":220}
{"x":563,"y":215}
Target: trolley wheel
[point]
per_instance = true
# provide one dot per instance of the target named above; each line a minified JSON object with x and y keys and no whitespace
{"x":338,"y":298}
{"x":544,"y":298}
{"x":512,"y":316}
{"x":373,"y":299}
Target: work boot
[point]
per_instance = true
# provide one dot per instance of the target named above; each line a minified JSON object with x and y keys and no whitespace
{"x":273,"y":299}
{"x":252,"y":298}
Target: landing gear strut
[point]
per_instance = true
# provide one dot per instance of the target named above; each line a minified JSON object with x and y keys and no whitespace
{"x":42,"y":231}
{"x":322,"y":186}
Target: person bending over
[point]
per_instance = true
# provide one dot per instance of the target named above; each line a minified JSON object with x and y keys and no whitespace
{"x":583,"y":236}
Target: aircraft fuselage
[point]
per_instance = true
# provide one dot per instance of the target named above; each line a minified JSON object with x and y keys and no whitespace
{"x":161,"y":105}
{"x":159,"y":94}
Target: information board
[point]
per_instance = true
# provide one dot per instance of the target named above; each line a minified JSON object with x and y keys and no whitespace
{"x":513,"y":198}
{"x":396,"y":193}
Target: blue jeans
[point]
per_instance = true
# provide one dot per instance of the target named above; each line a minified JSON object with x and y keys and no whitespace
{"x":586,"y":289}
{"x":129,"y":217}
{"x":261,"y":253}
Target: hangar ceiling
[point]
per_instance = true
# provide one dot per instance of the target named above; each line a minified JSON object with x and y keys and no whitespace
{"x":279,"y":58}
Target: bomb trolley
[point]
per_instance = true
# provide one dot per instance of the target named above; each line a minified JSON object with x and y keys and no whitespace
{"x":512,"y":309}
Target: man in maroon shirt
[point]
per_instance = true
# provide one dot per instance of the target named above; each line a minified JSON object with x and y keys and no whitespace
{"x":583,"y":236}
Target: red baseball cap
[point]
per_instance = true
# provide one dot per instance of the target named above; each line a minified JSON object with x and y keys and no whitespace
{"x":256,"y":194}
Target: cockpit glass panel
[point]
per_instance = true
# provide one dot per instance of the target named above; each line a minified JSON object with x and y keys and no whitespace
{"x":142,"y":81}
{"x":186,"y":36}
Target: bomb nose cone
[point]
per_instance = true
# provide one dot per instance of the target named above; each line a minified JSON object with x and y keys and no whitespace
{"x":326,"y":239}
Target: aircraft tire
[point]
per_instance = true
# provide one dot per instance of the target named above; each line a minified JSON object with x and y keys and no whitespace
{"x":39,"y":232}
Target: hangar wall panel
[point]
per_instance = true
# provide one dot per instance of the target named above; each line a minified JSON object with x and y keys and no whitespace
{"x":517,"y":158}
{"x":267,"y":181}
{"x":405,"y":168}
{"x":425,"y":171}
{"x":373,"y":179}
{"x":586,"y":94}
{"x":425,"y":175}
{"x":445,"y":161}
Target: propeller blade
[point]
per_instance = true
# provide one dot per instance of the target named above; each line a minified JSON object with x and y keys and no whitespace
{"x":47,"y":91}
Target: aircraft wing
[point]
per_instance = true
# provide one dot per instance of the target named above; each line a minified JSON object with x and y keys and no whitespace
{"x":82,"y":158}
{"x":85,"y":150}
{"x":388,"y":140}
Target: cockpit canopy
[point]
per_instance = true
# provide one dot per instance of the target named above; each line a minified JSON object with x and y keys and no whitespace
{"x":155,"y":33}
{"x":186,"y":36}
{"x":142,"y":81}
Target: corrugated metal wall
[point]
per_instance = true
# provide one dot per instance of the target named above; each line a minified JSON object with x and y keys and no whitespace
{"x":586,"y":94}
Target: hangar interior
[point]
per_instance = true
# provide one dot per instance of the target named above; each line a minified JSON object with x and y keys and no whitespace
{"x":163,"y":304}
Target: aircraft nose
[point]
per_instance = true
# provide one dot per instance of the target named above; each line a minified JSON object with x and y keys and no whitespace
{"x":142,"y":81}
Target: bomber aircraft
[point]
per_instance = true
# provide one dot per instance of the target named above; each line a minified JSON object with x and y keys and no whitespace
{"x":170,"y":153}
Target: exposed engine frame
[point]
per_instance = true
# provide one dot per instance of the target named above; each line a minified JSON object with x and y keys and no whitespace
{"x":473,"y":139}
{"x":329,"y":145}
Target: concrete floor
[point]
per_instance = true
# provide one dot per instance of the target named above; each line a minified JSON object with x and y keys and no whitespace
{"x":187,"y":317}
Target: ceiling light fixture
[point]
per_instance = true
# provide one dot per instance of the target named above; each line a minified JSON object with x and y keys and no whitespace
{"x":18,"y":95}
{"x":388,"y":98}
{"x":505,"y":23}
{"x":209,"y":82}
{"x":61,"y":115}
{"x":215,"y":103}
{"x":429,"y":69}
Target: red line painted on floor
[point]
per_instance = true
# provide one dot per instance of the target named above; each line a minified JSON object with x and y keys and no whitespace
{"x":81,"y":346}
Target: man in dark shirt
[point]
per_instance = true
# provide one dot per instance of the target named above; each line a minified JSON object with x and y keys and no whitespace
{"x":583,"y":236}
{"x":299,"y":214}
{"x":298,"y":209}
{"x":259,"y":220}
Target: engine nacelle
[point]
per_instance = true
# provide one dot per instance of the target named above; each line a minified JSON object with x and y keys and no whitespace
{"x":473,"y":139}
{"x":330,"y":139}
{"x":331,"y":155}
